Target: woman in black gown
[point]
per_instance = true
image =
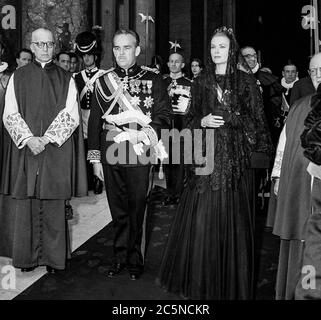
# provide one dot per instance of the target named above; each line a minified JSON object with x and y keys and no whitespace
{"x":210,"y":249}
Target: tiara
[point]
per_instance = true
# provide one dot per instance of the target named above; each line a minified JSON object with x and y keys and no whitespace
{"x":224,"y":29}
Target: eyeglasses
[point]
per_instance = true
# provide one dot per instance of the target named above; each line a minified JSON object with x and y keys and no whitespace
{"x":314,"y":72}
{"x":249,"y":56}
{"x":41,"y":45}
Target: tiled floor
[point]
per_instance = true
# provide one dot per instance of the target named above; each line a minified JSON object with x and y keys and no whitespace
{"x":85,"y":277}
{"x":91,"y":214}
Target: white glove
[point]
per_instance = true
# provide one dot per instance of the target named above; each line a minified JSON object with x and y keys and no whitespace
{"x":124,"y":136}
{"x":131,"y":136}
{"x":182,"y":104}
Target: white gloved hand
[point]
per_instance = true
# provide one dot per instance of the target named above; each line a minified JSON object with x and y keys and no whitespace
{"x":182,"y":104}
{"x":124,"y":136}
{"x":133,"y":136}
{"x":138,"y":148}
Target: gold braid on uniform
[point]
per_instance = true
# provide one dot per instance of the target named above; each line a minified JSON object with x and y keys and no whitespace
{"x":94,"y":155}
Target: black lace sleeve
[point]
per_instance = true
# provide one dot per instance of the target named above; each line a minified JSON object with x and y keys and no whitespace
{"x":256,"y":126}
{"x":195,"y":115}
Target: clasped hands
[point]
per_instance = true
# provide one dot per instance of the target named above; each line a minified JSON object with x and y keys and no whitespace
{"x":211,"y":121}
{"x":37,"y":144}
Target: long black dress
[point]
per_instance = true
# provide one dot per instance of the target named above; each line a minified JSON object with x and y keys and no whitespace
{"x":209,"y":253}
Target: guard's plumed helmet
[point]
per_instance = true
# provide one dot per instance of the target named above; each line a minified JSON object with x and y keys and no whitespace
{"x":86,"y":43}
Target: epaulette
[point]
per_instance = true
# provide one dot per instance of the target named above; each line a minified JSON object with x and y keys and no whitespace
{"x":187,"y":79}
{"x":104,"y":72}
{"x":155,"y":70}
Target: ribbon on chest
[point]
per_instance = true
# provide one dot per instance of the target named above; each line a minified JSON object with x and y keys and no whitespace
{"x":131,"y":113}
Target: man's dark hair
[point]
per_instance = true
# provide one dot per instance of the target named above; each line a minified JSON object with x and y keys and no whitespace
{"x":62,"y":52}
{"x":128,"y":31}
{"x":73,"y":55}
{"x":24,"y":50}
{"x":290,"y":64}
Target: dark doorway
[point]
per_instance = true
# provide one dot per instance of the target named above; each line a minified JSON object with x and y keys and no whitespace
{"x":274,"y":27}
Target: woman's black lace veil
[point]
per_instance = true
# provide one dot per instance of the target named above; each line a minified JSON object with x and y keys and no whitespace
{"x":241,"y":104}
{"x":235,"y":62}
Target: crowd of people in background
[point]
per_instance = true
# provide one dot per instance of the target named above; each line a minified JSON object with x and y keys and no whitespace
{"x":60,"y":114}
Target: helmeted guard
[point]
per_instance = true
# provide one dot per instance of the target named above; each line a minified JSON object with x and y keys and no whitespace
{"x":179,"y":92}
{"x":130,"y":107}
{"x":86,"y":48}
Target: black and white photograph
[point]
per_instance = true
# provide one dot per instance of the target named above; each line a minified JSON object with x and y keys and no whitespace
{"x":162,"y":152}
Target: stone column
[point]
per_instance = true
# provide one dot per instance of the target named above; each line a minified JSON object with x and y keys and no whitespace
{"x":180,"y":26}
{"x":229,"y":13}
{"x":146,"y":8}
{"x":66,"y":18}
{"x":108,"y":29}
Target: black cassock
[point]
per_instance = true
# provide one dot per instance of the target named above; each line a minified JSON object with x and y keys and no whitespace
{"x":33,"y":226}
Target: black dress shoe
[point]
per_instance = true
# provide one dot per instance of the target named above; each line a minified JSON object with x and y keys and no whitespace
{"x":52,"y":270}
{"x":98,"y":186}
{"x":134,"y":276}
{"x":115,"y":269}
{"x":69,"y":212}
{"x":135,"y":272}
{"x":30,"y":269}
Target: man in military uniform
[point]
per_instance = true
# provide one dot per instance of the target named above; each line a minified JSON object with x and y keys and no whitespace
{"x":86,"y":48}
{"x":179,"y":91}
{"x":125,"y":95}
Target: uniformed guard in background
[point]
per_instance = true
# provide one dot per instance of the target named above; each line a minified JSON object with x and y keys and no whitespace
{"x":129,"y":94}
{"x":86,"y":49}
{"x":179,"y":91}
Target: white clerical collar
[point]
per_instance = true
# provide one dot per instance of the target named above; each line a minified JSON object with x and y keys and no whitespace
{"x":3,"y":66}
{"x":256,"y":68}
{"x":288,"y":85}
{"x":43,"y":64}
{"x":176,"y":76}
